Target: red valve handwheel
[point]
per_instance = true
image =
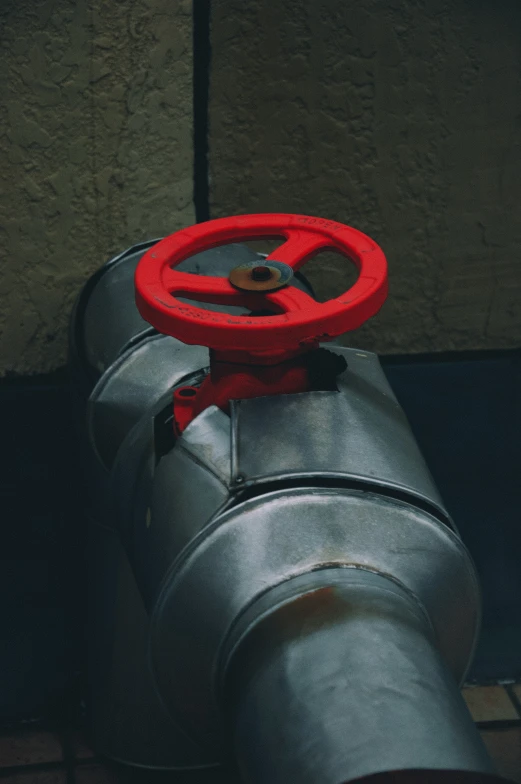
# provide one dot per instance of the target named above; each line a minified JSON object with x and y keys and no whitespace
{"x":299,"y":321}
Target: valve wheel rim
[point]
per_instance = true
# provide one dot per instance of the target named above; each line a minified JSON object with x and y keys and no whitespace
{"x":298,"y":319}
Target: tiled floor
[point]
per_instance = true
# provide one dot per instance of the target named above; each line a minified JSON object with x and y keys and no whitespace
{"x":37,"y":756}
{"x":490,"y":704}
{"x":497,"y":713}
{"x":65,"y":757}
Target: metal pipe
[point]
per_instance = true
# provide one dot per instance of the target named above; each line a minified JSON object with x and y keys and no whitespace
{"x":293,"y":558}
{"x":343,"y":680}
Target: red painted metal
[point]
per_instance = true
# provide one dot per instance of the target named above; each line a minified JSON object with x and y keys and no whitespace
{"x":299,"y":321}
{"x":255,"y":355}
{"x":231,"y":381}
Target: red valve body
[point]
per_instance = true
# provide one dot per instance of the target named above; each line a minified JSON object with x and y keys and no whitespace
{"x":231,"y":381}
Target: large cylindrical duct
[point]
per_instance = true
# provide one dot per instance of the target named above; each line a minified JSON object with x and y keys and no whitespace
{"x":342,"y":679}
{"x":274,"y":574}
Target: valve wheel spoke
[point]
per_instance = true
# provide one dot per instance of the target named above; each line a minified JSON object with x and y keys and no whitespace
{"x":291,"y":298}
{"x":203,"y":288}
{"x":298,"y":248}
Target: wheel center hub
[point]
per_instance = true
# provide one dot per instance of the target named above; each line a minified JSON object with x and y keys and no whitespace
{"x":261,"y":277}
{"x":261,"y":273}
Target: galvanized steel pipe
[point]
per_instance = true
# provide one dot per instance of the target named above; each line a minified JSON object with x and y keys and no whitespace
{"x":343,"y":680}
{"x":283,"y":582}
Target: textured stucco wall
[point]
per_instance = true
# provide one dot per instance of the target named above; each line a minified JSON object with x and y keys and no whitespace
{"x":399,"y":117}
{"x":95,"y":153}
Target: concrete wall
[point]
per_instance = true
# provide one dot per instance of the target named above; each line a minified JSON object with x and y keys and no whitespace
{"x":95,"y":153}
{"x":402,"y":118}
{"x":399,"y":117}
